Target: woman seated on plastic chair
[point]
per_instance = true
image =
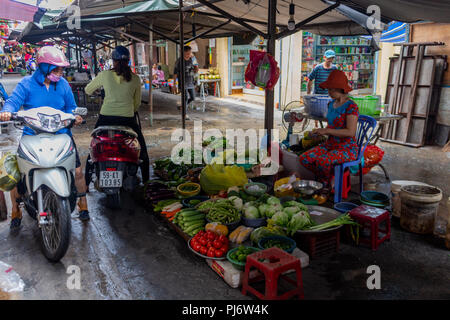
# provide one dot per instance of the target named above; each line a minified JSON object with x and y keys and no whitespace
{"x":341,"y":146}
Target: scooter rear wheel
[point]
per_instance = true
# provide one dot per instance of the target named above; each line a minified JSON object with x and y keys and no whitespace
{"x":113,"y":201}
{"x":55,"y":236}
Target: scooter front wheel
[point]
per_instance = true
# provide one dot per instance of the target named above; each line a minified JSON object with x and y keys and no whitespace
{"x":55,"y":234}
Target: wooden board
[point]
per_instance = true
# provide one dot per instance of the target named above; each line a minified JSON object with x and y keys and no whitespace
{"x":413,"y":91}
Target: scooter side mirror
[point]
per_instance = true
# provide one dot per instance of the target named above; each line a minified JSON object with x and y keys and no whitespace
{"x":81,"y":111}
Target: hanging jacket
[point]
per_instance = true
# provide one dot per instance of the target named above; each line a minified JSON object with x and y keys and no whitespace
{"x":31,"y":93}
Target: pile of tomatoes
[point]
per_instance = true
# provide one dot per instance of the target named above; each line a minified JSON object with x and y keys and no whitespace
{"x":210,"y":244}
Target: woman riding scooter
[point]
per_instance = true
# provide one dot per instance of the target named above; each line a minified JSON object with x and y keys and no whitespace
{"x":122,"y":100}
{"x":46,"y":87}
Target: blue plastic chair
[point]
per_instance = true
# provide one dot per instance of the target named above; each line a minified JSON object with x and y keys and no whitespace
{"x":366,"y":127}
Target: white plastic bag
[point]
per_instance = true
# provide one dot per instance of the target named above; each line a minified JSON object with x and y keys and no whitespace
{"x":10,"y":281}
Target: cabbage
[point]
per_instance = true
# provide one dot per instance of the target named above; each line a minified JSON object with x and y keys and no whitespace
{"x":291,"y":211}
{"x":281,"y":219}
{"x":273,"y":200}
{"x":272,"y":209}
{"x":237,"y":202}
{"x":263,"y":208}
{"x":249,"y":204}
{"x":251,"y":213}
{"x":298,"y":221}
{"x":299,"y":205}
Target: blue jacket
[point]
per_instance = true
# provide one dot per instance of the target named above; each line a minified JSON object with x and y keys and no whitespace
{"x":31,"y":93}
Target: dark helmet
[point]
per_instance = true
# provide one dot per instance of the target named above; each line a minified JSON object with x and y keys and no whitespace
{"x":121,"y":53}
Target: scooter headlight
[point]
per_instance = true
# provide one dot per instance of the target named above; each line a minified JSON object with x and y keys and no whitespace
{"x":50,"y":123}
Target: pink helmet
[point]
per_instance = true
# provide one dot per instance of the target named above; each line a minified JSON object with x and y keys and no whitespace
{"x":52,"y":55}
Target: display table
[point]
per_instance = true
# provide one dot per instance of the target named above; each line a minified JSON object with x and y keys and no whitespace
{"x":203,"y":92}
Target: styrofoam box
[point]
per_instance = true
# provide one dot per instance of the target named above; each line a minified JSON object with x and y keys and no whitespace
{"x":233,"y":277}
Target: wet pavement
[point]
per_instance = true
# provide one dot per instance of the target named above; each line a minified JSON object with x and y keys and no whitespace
{"x":132,"y":254}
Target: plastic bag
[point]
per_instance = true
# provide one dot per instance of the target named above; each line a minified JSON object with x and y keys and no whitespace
{"x":10,"y":281}
{"x":9,"y":172}
{"x":373,"y":155}
{"x":262,"y":70}
{"x":217,"y":177}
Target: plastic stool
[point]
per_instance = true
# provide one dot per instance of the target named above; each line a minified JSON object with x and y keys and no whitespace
{"x":371,"y":218}
{"x":276,"y":262}
{"x":346,"y":184}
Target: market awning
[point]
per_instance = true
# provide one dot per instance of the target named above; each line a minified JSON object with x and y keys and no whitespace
{"x":397,"y":32}
{"x":20,"y":10}
{"x":405,"y":10}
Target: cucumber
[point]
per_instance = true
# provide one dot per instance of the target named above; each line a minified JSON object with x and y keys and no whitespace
{"x":193,"y":227}
{"x":196,"y":217}
{"x":193,"y":233}
{"x":193,"y":222}
{"x":186,"y":214}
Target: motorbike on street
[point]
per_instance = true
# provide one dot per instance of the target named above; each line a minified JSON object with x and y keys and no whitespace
{"x":46,"y":163}
{"x":113,"y":162}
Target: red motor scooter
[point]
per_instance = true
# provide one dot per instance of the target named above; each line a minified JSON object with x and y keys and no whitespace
{"x":114,"y":159}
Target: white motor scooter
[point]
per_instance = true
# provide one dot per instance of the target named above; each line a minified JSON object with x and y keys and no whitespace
{"x":47,"y":166}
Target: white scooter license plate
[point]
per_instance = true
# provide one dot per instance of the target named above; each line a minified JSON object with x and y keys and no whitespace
{"x":111,"y":179}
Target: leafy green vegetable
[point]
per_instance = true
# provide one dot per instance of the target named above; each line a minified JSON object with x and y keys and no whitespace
{"x":251,"y":213}
{"x":262,"y":232}
{"x":273,"y":208}
{"x":281,"y":219}
{"x":298,"y":221}
{"x":263,"y":208}
{"x":237,"y":202}
{"x":291,"y":211}
{"x":341,"y":220}
{"x":299,"y":205}
{"x":273,"y":200}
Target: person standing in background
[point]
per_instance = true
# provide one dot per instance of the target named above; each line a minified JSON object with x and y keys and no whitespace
{"x":190,"y":69}
{"x":321,"y":72}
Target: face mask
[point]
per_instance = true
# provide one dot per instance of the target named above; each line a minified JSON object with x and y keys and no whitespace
{"x":53,"y":77}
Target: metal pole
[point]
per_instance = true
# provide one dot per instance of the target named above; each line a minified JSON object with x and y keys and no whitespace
{"x":269,"y":98}
{"x":94,"y":53}
{"x":182,"y":66}
{"x":3,"y":210}
{"x":150,"y":73}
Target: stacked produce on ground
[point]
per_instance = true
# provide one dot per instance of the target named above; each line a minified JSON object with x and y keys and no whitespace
{"x":190,"y":221}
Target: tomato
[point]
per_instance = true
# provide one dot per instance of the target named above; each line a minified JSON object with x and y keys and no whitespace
{"x":223,"y":251}
{"x":217,"y":244}
{"x":218,"y":253}
{"x":194,"y":242}
{"x":211,"y":253}
{"x":203,"y":241}
{"x":223,"y":239}
{"x":203,"y":250}
{"x":211,"y":236}
{"x":197,"y":247}
{"x":200,"y":233}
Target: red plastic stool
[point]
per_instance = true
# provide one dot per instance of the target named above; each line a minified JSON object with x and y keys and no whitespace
{"x":371,"y":218}
{"x":346,"y":184}
{"x":273,"y":262}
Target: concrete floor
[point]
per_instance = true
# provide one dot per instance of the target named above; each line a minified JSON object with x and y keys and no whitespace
{"x":131,"y":254}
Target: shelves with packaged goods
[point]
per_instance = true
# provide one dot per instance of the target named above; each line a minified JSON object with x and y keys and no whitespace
{"x":343,"y":45}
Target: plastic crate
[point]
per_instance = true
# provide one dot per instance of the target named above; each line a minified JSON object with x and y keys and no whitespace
{"x":317,"y":104}
{"x":368,"y":105}
{"x":319,"y":244}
